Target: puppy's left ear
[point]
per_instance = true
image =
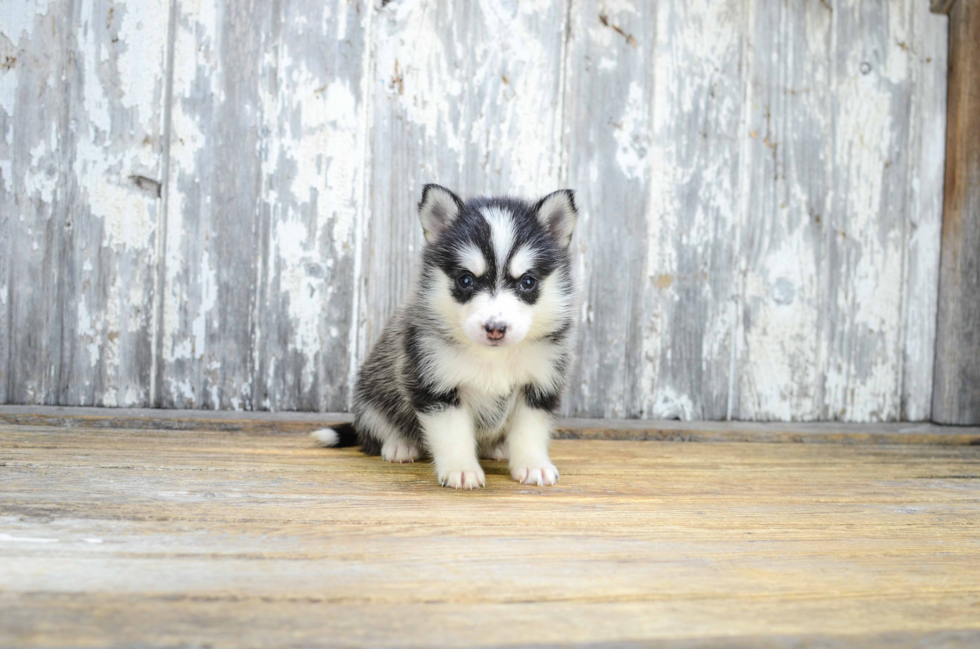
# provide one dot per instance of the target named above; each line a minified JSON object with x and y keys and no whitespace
{"x":438,"y":208}
{"x":557,"y":213}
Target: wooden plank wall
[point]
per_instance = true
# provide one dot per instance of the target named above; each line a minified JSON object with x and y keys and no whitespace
{"x":210,"y":204}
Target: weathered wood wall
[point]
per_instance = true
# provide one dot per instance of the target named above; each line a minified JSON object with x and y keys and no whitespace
{"x":210,"y":203}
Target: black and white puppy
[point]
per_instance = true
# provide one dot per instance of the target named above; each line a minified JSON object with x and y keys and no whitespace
{"x":475,"y":363}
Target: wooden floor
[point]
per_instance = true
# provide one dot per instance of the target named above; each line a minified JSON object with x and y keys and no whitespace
{"x":197,"y":537}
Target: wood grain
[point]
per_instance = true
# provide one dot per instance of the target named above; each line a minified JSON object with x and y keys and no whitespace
{"x":956,"y":394}
{"x":166,"y":537}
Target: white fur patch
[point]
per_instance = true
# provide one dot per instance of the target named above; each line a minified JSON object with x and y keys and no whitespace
{"x":504,"y":308}
{"x":527,"y":446}
{"x":472,"y":260}
{"x":399,"y":451}
{"x":326,"y":437}
{"x":501,"y":233}
{"x":493,"y":370}
{"x":377,"y":425}
{"x":522,"y":261}
{"x":450,"y":438}
{"x":551,"y":307}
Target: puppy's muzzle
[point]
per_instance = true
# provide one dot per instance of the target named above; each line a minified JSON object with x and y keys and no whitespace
{"x":495,"y":330}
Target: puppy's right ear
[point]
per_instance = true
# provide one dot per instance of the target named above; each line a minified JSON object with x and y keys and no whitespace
{"x":438,"y":208}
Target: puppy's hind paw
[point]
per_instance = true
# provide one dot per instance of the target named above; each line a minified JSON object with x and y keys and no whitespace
{"x":399,"y":451}
{"x":472,"y":479}
{"x":543,"y":475}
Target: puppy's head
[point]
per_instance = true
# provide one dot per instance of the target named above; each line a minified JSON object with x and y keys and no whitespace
{"x":497,"y":270}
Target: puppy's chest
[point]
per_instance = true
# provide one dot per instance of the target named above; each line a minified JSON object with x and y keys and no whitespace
{"x":489,"y":411}
{"x":494,"y":373}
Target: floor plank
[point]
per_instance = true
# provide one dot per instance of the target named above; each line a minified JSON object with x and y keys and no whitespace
{"x":570,"y":428}
{"x":162,"y":537}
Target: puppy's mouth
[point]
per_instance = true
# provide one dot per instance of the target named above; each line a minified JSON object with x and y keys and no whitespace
{"x":489,"y":342}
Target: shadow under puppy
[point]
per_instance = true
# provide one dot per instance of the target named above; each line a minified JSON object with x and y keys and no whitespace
{"x":475,"y":363}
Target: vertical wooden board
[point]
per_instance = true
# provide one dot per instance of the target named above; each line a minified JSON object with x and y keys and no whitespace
{"x":956,"y":395}
{"x":833,"y":145}
{"x":927,"y":151}
{"x":115,"y":172}
{"x":214,"y":199}
{"x":689,"y":324}
{"x":467,"y":95}
{"x":314,"y":141}
{"x":866,"y":235}
{"x":788,"y":139}
{"x":609,"y":137}
{"x":35,"y":144}
{"x":654,"y":105}
{"x":9,"y":37}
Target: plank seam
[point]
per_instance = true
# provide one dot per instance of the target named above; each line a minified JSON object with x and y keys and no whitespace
{"x":156,"y":350}
{"x":907,"y":232}
{"x":741,"y":268}
{"x":573,"y":428}
{"x":562,"y":89}
{"x":366,"y":120}
{"x":936,"y":351}
{"x":64,"y":222}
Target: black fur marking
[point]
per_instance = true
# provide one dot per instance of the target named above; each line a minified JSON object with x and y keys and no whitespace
{"x":559,"y":334}
{"x":537,"y":397}
{"x":470,"y":228}
{"x":346,"y":435}
{"x":424,"y":397}
{"x":370,"y":445}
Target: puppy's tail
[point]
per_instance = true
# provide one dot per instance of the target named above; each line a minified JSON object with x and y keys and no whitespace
{"x":336,"y":436}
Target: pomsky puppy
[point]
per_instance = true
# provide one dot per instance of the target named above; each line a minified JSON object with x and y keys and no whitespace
{"x":475,"y":363}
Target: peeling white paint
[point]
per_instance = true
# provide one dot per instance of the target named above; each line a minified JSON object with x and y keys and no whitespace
{"x":126,"y":216}
{"x":632,"y":134}
{"x":304,"y":293}
{"x":411,"y":54}
{"x":40,"y":178}
{"x":146,"y":39}
{"x":209,"y":297}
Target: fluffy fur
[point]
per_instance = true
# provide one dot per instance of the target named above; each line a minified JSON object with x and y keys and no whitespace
{"x":475,"y":363}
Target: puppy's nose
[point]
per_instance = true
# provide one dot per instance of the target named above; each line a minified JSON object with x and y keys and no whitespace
{"x":495,"y":330}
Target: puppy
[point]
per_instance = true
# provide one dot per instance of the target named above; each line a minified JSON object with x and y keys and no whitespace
{"x":475,"y":363}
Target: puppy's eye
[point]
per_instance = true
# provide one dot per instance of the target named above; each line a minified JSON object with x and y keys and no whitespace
{"x":465,"y":281}
{"x":528,"y":283}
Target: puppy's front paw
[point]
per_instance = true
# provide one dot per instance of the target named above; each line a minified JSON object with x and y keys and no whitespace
{"x":543,"y":474}
{"x":463,"y":479}
{"x":399,"y":451}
